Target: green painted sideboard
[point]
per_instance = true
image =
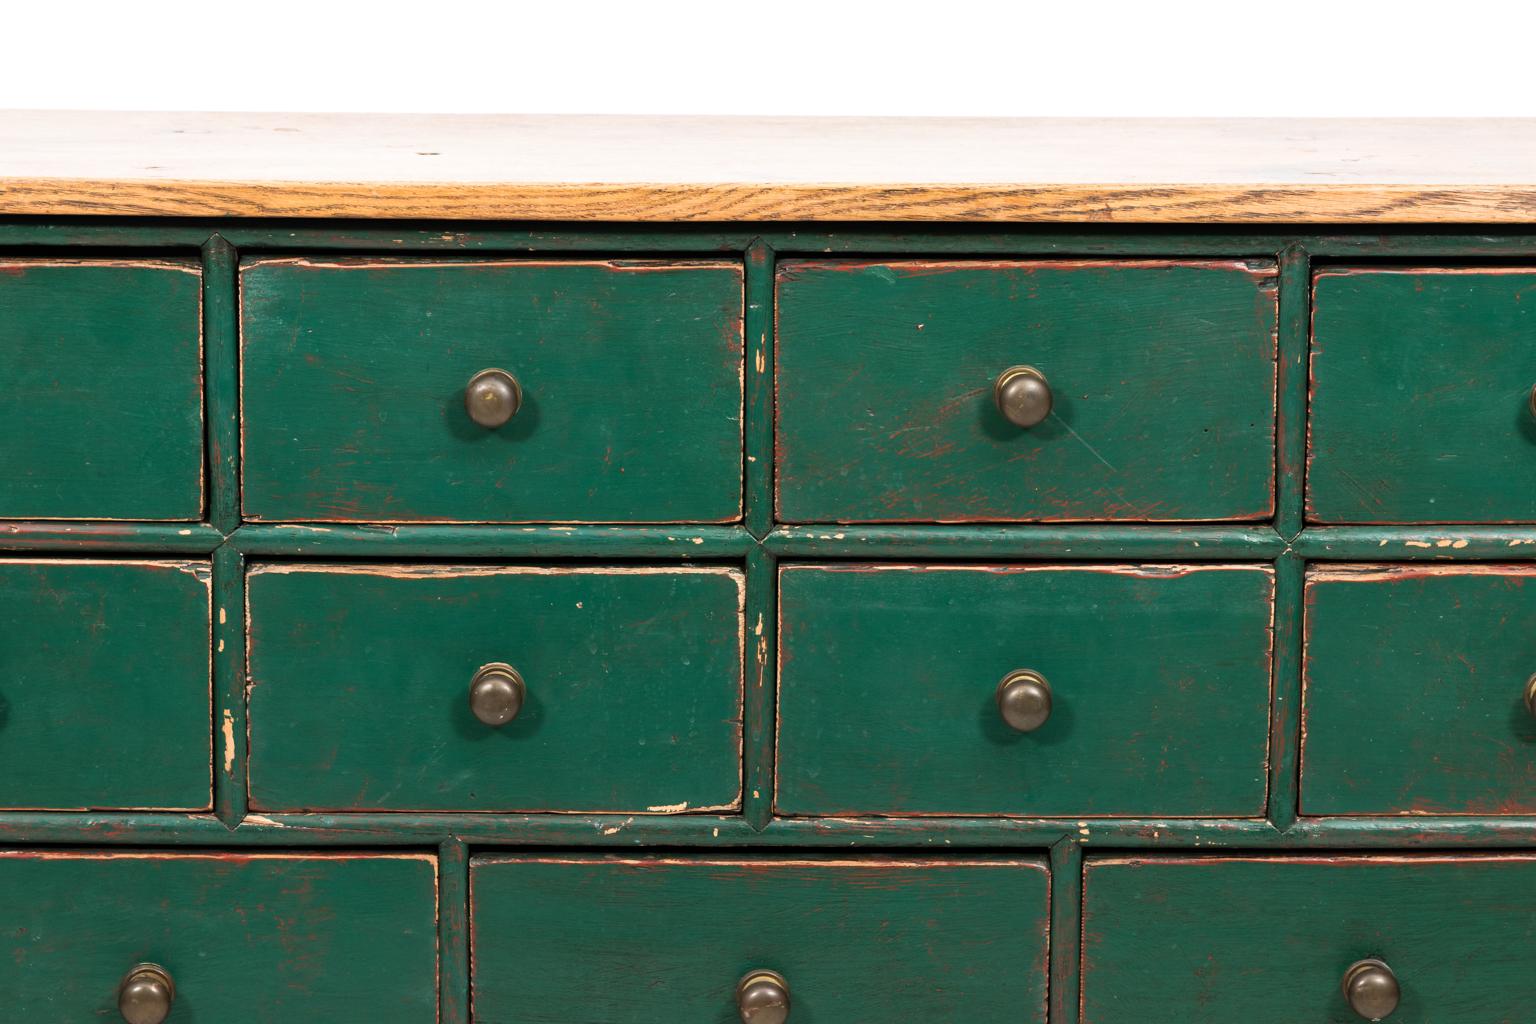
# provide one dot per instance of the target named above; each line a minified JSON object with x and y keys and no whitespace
{"x":609,"y":592}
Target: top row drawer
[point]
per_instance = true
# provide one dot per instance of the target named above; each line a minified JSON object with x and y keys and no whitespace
{"x":1160,"y":376}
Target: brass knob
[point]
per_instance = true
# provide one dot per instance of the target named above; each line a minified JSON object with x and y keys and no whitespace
{"x":1532,"y":400}
{"x":1530,"y":695}
{"x":763,"y":998}
{"x":1371,"y":989}
{"x":146,"y":994}
{"x":1024,"y":699}
{"x":492,"y":397}
{"x":496,"y":693}
{"x":1022,"y":395}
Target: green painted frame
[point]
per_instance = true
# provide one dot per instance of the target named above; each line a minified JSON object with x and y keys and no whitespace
{"x":758,"y":545}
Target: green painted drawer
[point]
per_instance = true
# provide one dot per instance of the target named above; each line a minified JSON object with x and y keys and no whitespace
{"x":1267,"y":940}
{"x":259,"y":938}
{"x":101,"y":415}
{"x":360,"y":675}
{"x":1414,"y":691}
{"x":1421,"y":386}
{"x":637,"y":941}
{"x":354,"y":374}
{"x":1160,"y":678}
{"x":1163,"y":377}
{"x":104,"y":685}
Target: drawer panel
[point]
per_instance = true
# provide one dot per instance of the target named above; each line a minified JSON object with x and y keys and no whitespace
{"x":360,"y":678}
{"x":1267,"y":940}
{"x":1414,"y":690}
{"x":1421,"y":388}
{"x":355,"y":373}
{"x":101,"y":416}
{"x":105,"y":685}
{"x":1159,"y":679}
{"x":251,"y":937}
{"x":1162,"y":376}
{"x":636,"y":941}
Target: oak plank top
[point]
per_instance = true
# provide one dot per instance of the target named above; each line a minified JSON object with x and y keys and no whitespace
{"x":672,"y":169}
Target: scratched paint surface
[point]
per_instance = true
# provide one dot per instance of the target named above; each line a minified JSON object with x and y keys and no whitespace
{"x":104,"y":685}
{"x":641,"y":941}
{"x":1160,"y":679}
{"x":263,"y":939}
{"x":359,"y":685}
{"x":101,"y":413}
{"x":354,"y":376}
{"x":1163,"y":376}
{"x":1414,"y":689}
{"x":1267,"y":940}
{"x":1421,"y":382}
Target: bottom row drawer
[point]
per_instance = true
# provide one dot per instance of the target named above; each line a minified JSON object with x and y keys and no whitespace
{"x":1166,"y":938}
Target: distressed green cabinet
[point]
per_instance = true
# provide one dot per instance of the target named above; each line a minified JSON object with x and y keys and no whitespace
{"x":537,"y":571}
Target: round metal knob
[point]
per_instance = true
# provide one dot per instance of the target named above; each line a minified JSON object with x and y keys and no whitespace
{"x":1531,"y":401}
{"x":492,"y":397}
{"x":496,"y":693}
{"x":763,"y":998}
{"x":1022,"y":395}
{"x":1371,"y":989}
{"x":1024,"y":700}
{"x":146,"y":994}
{"x":1530,"y":695}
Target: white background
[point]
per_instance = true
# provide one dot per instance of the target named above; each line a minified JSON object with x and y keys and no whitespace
{"x":935,"y":57}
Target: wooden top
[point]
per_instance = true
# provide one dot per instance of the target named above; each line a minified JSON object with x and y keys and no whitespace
{"x":596,"y":168}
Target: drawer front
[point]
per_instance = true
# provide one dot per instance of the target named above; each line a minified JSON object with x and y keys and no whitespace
{"x":630,"y":378}
{"x":101,"y":416}
{"x":105,"y":685}
{"x":361,"y":679}
{"x":1161,"y":374}
{"x":1415,"y":690}
{"x":1268,"y":940}
{"x":1159,"y":678}
{"x":645,"y":940}
{"x":257,"y":938}
{"x":1421,"y":397}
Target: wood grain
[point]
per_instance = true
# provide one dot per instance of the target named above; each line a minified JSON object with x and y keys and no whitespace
{"x":599,"y":168}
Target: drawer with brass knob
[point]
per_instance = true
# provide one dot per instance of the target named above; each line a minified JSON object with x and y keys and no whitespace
{"x":758,"y":939}
{"x":410,"y":687}
{"x":268,"y":938}
{"x":105,"y":682}
{"x":1275,"y":939}
{"x":1419,"y":690}
{"x":101,"y":408}
{"x":491,"y":391}
{"x":948,"y":391}
{"x":1037,"y":690}
{"x":1422,"y":387}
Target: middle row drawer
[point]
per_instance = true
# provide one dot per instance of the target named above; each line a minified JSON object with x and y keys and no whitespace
{"x":1029,"y":690}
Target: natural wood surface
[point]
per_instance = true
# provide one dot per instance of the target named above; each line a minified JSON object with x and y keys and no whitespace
{"x":709,"y":168}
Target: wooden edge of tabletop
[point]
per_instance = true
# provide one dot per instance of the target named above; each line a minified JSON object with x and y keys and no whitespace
{"x":1290,"y":203}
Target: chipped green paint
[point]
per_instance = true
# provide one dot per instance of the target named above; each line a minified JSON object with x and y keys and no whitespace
{"x":1163,"y":376}
{"x":256,"y":938}
{"x":354,"y":374}
{"x":1413,"y":700}
{"x":359,"y":681}
{"x":104,"y":685}
{"x":1160,"y":677}
{"x":1421,"y":381}
{"x":101,"y":413}
{"x":655,"y":939}
{"x":1170,"y":940}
